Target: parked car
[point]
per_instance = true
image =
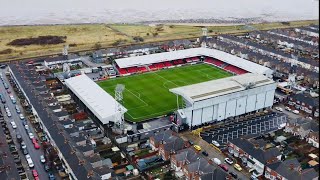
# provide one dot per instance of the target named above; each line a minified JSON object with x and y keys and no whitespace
{"x":287,"y":108}
{"x":197,"y":147}
{"x":37,"y":146}
{"x":34,"y":173}
{"x":295,"y":112}
{"x":234,"y":175}
{"x":279,"y":109}
{"x":224,"y":167}
{"x":42,"y":159}
{"x":34,"y":140}
{"x":237,"y":167}
{"x":216,"y":143}
{"x":205,"y":153}
{"x":216,"y":161}
{"x":13,"y":124}
{"x":26,"y":127}
{"x":21,"y":116}
{"x":31,"y":135}
{"x":191,"y":142}
{"x":19,"y":138}
{"x":17,"y":109}
{"x":228,"y":160}
{"x":51,"y":176}
{"x":29,"y":160}
{"x":25,"y":151}
{"x":46,"y":167}
{"x":23,"y":145}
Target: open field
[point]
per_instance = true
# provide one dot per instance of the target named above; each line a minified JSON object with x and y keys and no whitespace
{"x":86,"y":37}
{"x":147,"y":95}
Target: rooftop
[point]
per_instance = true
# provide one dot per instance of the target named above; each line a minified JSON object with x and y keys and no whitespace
{"x":94,"y":97}
{"x":214,"y":88}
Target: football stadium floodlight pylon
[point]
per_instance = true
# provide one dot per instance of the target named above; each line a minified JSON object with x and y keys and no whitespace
{"x":119,"y":117}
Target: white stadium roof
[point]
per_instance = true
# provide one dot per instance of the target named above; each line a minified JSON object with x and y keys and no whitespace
{"x":193,"y":52}
{"x":214,"y":88}
{"x":101,"y":104}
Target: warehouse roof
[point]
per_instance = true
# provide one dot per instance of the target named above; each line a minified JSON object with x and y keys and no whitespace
{"x":193,"y":52}
{"x":214,"y":88}
{"x":101,"y":104}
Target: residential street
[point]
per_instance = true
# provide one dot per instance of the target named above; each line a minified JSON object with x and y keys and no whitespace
{"x":34,"y":153}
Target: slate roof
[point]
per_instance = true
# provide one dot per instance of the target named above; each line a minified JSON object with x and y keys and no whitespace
{"x":307,"y":99}
{"x":215,"y":175}
{"x":200,"y":165}
{"x":285,"y":170}
{"x":188,"y":155}
{"x":163,"y":136}
{"x":257,"y":152}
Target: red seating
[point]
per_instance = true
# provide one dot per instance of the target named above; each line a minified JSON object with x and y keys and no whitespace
{"x":159,"y":65}
{"x":189,"y":60}
{"x":132,"y":69}
{"x":214,"y":62}
{"x":235,"y":69}
{"x":195,"y":59}
{"x":122,"y":71}
{"x":177,"y":62}
{"x":142,"y":69}
{"x":167,"y":64}
{"x":152,"y":67}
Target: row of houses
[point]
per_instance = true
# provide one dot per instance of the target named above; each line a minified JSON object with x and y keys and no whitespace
{"x":100,"y":56}
{"x":184,"y":160}
{"x":304,"y":129}
{"x":305,"y":102}
{"x":281,"y":68}
{"x":295,"y":35}
{"x":265,"y":50}
{"x":267,"y":161}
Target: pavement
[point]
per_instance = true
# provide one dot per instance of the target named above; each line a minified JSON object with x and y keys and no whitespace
{"x":34,"y":153}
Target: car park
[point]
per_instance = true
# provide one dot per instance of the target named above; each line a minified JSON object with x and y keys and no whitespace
{"x":237,"y":167}
{"x":228,"y":160}
{"x":13,"y":124}
{"x":234,"y":175}
{"x":42,"y":159}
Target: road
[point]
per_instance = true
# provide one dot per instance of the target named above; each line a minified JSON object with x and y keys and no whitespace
{"x":34,"y":153}
{"x":212,"y":153}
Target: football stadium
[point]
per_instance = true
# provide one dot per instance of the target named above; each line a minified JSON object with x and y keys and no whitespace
{"x":177,"y":81}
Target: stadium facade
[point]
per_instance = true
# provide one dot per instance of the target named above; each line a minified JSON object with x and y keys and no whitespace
{"x":221,"y":99}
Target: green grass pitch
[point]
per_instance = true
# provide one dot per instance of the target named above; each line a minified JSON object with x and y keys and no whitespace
{"x":147,"y":95}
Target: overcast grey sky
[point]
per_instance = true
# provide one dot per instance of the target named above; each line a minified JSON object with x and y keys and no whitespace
{"x":75,"y":11}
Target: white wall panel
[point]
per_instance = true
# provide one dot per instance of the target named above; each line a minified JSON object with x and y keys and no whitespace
{"x":260,"y":101}
{"x":251,"y":103}
{"x":215,"y":112}
{"x":231,"y":108}
{"x":241,"y":105}
{"x":269,"y":99}
{"x":196,"y":118}
{"x":207,"y":114}
{"x":221,"y":111}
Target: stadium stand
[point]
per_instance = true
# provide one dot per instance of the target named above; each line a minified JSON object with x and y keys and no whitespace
{"x":142,"y":69}
{"x":132,"y":69}
{"x":214,"y":61}
{"x":122,"y":71}
{"x":167,"y":64}
{"x":235,"y":69}
{"x":159,"y":65}
{"x":189,"y":60}
{"x":152,"y":67}
{"x":177,"y":62}
{"x":195,"y":59}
